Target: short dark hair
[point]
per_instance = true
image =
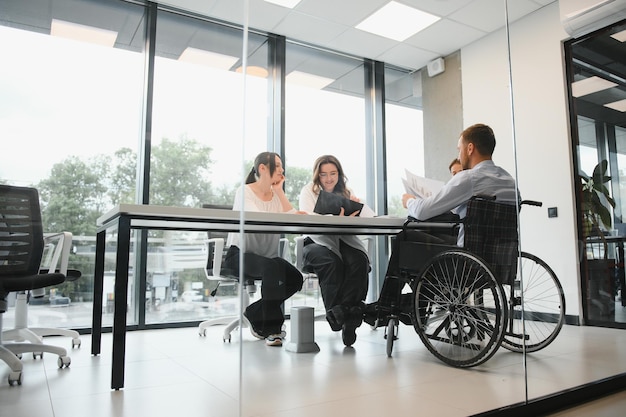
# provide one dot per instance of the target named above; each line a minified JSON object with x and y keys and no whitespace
{"x":453,"y":163}
{"x":482,"y":137}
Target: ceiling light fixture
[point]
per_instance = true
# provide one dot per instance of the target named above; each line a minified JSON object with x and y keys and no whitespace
{"x":590,"y":85}
{"x":83,"y":33}
{"x":307,"y":80}
{"x":619,"y":105}
{"x":285,"y":3}
{"x":254,"y":70}
{"x":210,"y":59}
{"x":620,"y":36}
{"x":397,"y":21}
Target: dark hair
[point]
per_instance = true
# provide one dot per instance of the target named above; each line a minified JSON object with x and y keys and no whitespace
{"x":454,"y":162}
{"x":264,"y":158}
{"x":340,"y":187}
{"x":482,"y":137}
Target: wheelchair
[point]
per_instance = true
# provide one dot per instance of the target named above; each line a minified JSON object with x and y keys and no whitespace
{"x":465,"y":303}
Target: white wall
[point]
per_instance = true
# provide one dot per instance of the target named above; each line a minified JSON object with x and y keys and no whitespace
{"x":542,"y":141}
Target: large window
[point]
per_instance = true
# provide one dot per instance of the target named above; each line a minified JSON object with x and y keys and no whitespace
{"x":404,"y":133}
{"x":70,"y":116}
{"x":325,"y":114}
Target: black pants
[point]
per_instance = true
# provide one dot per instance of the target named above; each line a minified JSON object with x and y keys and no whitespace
{"x":393,"y":268}
{"x":343,"y":281}
{"x":279,"y":281}
{"x":405,"y":256}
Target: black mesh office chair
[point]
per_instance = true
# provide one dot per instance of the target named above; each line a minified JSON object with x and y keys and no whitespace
{"x":21,"y":250}
{"x":57,"y":247}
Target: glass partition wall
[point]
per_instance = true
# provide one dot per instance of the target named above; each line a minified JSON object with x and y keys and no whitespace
{"x":173,"y":110}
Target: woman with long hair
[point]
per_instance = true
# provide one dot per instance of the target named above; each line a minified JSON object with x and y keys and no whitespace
{"x":280,"y":279}
{"x":340,"y":262}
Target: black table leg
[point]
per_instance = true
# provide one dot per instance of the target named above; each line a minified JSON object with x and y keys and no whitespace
{"x":120,"y":303}
{"x":98,"y":287}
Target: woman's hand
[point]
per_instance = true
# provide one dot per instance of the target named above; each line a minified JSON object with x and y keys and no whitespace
{"x":279,"y":179}
{"x":342,"y":213}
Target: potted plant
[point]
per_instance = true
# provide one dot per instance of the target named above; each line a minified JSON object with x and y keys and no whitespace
{"x":595,"y":197}
{"x":596,"y":220}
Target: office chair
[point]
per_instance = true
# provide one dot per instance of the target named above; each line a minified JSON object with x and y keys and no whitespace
{"x":215,"y":271}
{"x":21,"y":251}
{"x":57,"y":248}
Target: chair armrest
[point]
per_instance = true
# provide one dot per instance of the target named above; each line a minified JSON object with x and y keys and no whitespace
{"x":283,"y":249}
{"x":299,"y":240}
{"x":215,"y":254}
{"x":57,"y":252}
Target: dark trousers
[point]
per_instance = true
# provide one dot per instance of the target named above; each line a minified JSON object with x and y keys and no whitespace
{"x":343,"y":282}
{"x":279,"y":281}
{"x":405,"y":256}
{"x":393,"y":268}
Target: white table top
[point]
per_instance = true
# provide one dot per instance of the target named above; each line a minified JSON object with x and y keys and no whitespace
{"x":187,"y":218}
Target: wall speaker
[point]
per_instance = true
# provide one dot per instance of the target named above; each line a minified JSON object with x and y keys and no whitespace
{"x":436,"y":67}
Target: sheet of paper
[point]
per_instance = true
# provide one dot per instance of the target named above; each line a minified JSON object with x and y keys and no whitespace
{"x":420,"y":186}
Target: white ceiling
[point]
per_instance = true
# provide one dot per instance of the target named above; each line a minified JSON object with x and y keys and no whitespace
{"x":330,"y":24}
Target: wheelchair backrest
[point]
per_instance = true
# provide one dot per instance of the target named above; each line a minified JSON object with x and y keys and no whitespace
{"x":491,"y":233}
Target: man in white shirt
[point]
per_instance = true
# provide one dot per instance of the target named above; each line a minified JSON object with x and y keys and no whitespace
{"x":480,"y":176}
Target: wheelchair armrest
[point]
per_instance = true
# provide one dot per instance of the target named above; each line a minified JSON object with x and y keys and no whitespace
{"x":447,"y":217}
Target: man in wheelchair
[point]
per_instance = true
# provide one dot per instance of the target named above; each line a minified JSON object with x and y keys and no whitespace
{"x":479,"y":177}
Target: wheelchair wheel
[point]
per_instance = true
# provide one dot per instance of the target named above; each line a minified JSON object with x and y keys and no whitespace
{"x":391,"y":334}
{"x":460,"y":309}
{"x":540,"y":320}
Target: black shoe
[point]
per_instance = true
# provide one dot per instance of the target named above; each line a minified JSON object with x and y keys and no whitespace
{"x":335,"y":318}
{"x":370,"y":313}
{"x":348,"y":334}
{"x":256,"y":333}
{"x":353,"y":319}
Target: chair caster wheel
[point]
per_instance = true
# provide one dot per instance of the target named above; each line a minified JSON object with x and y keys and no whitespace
{"x":15,"y":378}
{"x":64,"y":361}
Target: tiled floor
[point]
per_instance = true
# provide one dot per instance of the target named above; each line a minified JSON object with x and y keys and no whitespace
{"x":176,"y":372}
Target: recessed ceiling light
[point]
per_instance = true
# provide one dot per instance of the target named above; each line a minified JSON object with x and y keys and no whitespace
{"x":620,"y":36}
{"x":254,"y":70}
{"x":617,"y":105}
{"x":590,"y":85}
{"x":285,"y":3}
{"x":308,"y":80}
{"x":397,"y":21}
{"x":211,"y":59}
{"x":83,"y":33}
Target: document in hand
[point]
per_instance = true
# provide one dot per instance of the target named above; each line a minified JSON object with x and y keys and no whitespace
{"x":420,"y":186}
{"x":330,"y":203}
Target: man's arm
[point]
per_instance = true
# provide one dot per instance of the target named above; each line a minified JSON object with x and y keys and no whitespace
{"x":456,"y":192}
